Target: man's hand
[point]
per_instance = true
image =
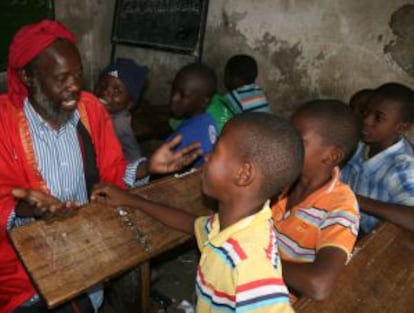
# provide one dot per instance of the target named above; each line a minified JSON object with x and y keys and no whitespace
{"x":38,"y":204}
{"x":166,"y":160}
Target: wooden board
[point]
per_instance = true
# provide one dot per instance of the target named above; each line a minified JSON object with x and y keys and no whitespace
{"x":379,"y":278}
{"x":66,"y":257}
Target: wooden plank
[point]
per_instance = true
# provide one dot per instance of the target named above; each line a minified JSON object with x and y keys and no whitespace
{"x":67,"y":256}
{"x":379,"y":278}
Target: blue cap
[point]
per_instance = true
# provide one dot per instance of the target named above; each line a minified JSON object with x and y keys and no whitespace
{"x":130,"y":73}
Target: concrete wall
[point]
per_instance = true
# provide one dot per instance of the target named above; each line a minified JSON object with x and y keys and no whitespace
{"x":310,"y":48}
{"x":305,"y":48}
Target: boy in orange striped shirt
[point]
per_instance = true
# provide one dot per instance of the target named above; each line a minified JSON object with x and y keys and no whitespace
{"x":317,"y":221}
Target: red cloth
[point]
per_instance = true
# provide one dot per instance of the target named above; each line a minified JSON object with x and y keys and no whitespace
{"x":28,"y":42}
{"x":17,"y":169}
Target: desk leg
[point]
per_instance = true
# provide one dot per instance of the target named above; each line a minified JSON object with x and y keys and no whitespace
{"x":146,"y":286}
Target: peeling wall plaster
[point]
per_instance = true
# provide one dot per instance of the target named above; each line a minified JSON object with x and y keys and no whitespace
{"x":402,"y":47}
{"x":304,"y":48}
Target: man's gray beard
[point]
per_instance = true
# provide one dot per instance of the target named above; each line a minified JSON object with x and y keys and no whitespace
{"x":51,"y":111}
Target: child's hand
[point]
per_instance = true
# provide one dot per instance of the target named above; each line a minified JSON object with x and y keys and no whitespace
{"x":166,"y":160}
{"x":110,"y":194}
{"x":41,"y":205}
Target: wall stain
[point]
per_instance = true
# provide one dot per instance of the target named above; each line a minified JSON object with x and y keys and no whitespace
{"x":401,"y":48}
{"x":293,"y":83}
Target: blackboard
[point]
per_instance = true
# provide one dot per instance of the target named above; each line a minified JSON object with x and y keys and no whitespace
{"x":16,"y":13}
{"x":176,"y":25}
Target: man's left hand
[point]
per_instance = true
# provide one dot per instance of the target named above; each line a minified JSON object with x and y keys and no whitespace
{"x":166,"y":160}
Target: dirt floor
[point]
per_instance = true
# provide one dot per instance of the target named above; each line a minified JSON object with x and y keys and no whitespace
{"x":172,"y":287}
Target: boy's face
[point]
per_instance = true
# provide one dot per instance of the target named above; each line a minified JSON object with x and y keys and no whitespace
{"x":316,"y":149}
{"x":113,"y":94}
{"x":231,"y":82}
{"x":188,"y":96}
{"x":383,"y":123}
{"x":221,"y":165}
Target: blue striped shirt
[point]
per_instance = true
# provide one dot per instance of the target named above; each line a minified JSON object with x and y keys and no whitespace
{"x":248,"y":98}
{"x":387,"y":176}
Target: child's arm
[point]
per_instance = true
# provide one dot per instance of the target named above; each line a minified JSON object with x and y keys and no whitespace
{"x":398,"y":214}
{"x":315,"y":280}
{"x":172,"y":217}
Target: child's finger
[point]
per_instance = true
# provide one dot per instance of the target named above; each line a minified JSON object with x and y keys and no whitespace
{"x":195,"y":147}
{"x":174,"y":142}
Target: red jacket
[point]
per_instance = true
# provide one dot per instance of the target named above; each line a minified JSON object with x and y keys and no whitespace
{"x":18,"y":168}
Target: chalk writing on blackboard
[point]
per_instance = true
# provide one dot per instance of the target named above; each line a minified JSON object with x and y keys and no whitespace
{"x":165,"y":24}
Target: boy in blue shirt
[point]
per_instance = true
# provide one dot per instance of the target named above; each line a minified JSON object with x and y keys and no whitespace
{"x":381,"y":172}
{"x":192,"y":89}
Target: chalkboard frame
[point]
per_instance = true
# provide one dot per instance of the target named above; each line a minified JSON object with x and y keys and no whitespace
{"x":196,"y":49}
{"x":8,"y":31}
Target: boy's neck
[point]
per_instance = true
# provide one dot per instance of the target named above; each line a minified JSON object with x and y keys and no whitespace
{"x":234,"y":211}
{"x":308,"y":184}
{"x":376,"y":148}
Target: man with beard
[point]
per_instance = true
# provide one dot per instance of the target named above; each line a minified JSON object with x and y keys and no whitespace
{"x":56,"y":143}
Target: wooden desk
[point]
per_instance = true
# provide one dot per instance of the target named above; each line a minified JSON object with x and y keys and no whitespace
{"x":66,"y":257}
{"x":379,"y":278}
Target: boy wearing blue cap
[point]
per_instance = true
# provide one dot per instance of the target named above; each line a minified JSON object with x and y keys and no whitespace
{"x":119,"y":88}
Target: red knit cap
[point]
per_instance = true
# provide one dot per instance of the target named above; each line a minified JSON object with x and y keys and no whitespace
{"x":28,"y":42}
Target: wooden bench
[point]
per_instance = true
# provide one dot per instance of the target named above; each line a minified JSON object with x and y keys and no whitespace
{"x":67,"y":256}
{"x":379,"y":277}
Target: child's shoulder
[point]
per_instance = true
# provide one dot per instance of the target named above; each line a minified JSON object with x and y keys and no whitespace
{"x":398,"y":156}
{"x":334,"y":196}
{"x":341,"y":198}
{"x":200,"y":123}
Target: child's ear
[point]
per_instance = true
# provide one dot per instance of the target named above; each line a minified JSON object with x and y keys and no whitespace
{"x":333,"y":156}
{"x":130,"y":104}
{"x":25,"y":78}
{"x":245,"y":174}
{"x":403,"y":127}
{"x":206,"y":102}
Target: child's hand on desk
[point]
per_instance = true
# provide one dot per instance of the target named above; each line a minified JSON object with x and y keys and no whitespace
{"x":41,"y":205}
{"x":111,"y":195}
{"x":166,"y":160}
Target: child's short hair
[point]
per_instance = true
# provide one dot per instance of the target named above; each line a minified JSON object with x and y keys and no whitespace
{"x":242,"y":66}
{"x":359,"y":99}
{"x":399,"y":93}
{"x":338,"y":125}
{"x":206,"y":73}
{"x":274,"y":145}
{"x":130,"y":73}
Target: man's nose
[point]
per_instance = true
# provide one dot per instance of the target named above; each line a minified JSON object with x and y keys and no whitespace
{"x":75,"y":84}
